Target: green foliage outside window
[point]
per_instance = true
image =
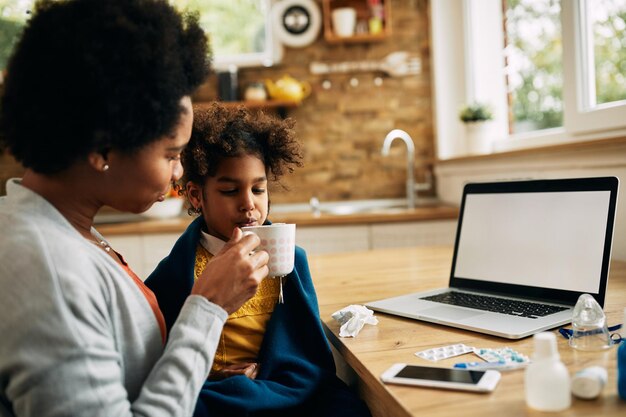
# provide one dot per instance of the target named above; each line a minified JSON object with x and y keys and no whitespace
{"x":13,"y":15}
{"x":534,"y":56}
{"x":609,"y":31}
{"x":234,"y":26}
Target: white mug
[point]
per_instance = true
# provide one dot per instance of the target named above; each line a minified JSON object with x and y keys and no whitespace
{"x":344,"y":21}
{"x":279,"y":241}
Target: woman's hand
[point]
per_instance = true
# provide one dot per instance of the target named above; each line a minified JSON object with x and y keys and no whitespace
{"x":234,"y":274}
{"x":249,"y":369}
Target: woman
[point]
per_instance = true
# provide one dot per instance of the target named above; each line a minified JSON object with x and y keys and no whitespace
{"x":97,"y":109}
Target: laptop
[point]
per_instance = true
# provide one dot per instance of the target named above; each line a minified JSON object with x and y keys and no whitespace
{"x":524,"y":252}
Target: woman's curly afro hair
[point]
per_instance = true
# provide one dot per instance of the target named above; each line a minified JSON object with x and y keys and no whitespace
{"x":93,"y":75}
{"x":221,"y":132}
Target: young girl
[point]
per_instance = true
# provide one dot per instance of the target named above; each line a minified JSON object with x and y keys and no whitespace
{"x":273,"y":359}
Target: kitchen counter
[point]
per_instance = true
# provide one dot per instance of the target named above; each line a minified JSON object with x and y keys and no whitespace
{"x":343,"y":226}
{"x":302,"y":219}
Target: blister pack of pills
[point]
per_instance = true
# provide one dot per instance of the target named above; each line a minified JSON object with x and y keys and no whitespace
{"x":506,"y":355}
{"x":444,"y":352}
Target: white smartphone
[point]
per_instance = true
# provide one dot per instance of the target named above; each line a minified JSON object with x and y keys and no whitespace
{"x":450,"y":378}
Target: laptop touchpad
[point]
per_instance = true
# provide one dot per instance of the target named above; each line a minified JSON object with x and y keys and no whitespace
{"x":449,"y":313}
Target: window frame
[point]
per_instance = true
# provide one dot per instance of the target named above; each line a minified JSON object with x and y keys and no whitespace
{"x":271,"y":55}
{"x":456,"y":32}
{"x":579,"y":77}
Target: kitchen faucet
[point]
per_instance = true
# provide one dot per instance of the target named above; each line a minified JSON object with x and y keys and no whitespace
{"x":411,"y":187}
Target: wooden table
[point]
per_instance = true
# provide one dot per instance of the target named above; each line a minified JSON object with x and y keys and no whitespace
{"x":355,"y":278}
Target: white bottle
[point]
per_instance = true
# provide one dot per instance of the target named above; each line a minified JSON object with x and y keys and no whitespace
{"x":547,"y":381}
{"x":588,"y":383}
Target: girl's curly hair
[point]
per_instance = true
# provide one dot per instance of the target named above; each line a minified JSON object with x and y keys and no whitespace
{"x":221,"y":132}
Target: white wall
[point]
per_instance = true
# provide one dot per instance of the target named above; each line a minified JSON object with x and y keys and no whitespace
{"x":446,"y":30}
{"x":467,"y":43}
{"x":607,"y":158}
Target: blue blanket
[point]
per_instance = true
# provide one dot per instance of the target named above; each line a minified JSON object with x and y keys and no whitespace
{"x":297,"y":371}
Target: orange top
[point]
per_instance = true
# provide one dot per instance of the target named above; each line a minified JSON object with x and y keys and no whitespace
{"x":147,"y":292}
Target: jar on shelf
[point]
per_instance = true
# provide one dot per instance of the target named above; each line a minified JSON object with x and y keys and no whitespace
{"x":255,"y":92}
{"x":377,"y":16}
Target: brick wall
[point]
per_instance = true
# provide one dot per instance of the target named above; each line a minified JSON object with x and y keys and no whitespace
{"x":342,"y":128}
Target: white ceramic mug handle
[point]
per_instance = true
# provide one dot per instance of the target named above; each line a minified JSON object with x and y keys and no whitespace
{"x":248,"y":233}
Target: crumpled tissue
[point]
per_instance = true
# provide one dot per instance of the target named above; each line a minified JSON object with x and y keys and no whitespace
{"x":353,"y":318}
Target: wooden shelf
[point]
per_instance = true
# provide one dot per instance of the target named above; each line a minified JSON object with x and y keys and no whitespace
{"x":268,"y":104}
{"x":363,"y":14}
{"x":280,"y":106}
{"x":360,"y":38}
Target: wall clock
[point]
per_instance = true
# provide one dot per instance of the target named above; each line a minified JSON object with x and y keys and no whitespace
{"x":296,"y":23}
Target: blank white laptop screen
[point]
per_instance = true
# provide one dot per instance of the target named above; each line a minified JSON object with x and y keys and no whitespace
{"x":548,"y":239}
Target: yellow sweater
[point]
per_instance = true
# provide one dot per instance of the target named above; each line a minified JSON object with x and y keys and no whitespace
{"x":243,"y":331}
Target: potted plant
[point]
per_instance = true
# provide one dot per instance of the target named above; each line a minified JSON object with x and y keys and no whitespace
{"x":476,"y":117}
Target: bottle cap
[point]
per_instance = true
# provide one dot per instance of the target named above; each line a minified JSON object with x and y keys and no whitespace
{"x":589,"y":382}
{"x":545,"y":346}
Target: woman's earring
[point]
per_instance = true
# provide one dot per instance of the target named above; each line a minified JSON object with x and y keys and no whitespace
{"x":105,"y":167}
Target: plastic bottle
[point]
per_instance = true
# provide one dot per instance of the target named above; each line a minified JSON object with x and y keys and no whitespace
{"x":588,"y":383}
{"x":621,"y":366}
{"x":377,"y":16}
{"x":547,"y":381}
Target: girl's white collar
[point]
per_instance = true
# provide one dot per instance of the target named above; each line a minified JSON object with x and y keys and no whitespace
{"x":211,"y":243}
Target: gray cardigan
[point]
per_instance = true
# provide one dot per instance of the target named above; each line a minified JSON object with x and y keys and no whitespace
{"x":77,"y":337}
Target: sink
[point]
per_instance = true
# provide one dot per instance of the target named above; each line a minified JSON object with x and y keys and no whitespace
{"x":358,"y":207}
{"x":344,"y":208}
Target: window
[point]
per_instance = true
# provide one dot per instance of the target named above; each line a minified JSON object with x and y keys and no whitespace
{"x":239,"y":30}
{"x":533,"y":64}
{"x":594,"y":44}
{"x":607,"y":25}
{"x":554,"y":70}
{"x":13,"y":16}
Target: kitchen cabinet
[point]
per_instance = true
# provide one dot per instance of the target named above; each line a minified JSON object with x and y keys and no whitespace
{"x":156,"y":247}
{"x":364,"y":14}
{"x":131,"y":248}
{"x":330,"y":239}
{"x":407,"y":234}
{"x":144,"y":251}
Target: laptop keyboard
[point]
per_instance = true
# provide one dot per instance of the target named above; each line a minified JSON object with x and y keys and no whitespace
{"x":495,"y":304}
